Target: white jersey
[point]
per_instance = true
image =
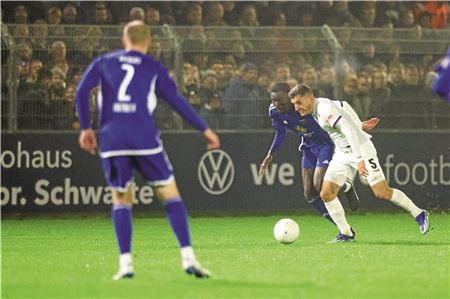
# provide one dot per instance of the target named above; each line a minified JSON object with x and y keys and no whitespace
{"x":328,"y":113}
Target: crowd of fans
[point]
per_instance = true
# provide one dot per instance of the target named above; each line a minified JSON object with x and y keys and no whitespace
{"x":225,"y":73}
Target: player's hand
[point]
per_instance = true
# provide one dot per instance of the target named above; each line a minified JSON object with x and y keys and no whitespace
{"x":212,"y":140}
{"x":362,"y":170}
{"x":88,"y":141}
{"x":266,"y":162}
{"x":370,"y":124}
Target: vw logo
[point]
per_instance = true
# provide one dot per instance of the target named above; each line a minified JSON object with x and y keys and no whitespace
{"x":215,"y":171}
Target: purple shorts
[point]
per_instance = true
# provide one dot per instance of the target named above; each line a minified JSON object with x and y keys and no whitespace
{"x":156,"y":169}
{"x":318,"y":156}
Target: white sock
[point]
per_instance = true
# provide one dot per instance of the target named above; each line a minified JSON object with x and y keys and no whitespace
{"x":125,"y":262}
{"x":402,"y":200}
{"x":337,"y":213}
{"x":188,"y":257}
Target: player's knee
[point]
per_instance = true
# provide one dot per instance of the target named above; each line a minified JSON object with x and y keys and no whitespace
{"x":327,"y":195}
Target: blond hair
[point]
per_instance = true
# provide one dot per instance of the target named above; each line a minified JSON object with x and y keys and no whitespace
{"x":136,"y":32}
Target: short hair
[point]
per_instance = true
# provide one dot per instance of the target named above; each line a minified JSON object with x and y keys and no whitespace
{"x":280,"y":86}
{"x":301,"y":89}
{"x":136,"y":31}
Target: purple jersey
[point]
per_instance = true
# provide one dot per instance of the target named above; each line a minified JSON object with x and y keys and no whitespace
{"x":130,"y":84}
{"x":441,"y":84}
{"x":306,"y":128}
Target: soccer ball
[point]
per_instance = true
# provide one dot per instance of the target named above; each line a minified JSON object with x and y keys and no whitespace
{"x":286,"y":231}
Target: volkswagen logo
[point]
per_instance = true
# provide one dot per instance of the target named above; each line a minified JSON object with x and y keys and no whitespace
{"x":215,"y":172}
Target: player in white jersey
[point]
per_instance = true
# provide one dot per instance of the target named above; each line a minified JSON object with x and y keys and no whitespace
{"x":354,"y":151}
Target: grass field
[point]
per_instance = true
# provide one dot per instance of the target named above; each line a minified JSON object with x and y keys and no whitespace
{"x":75,"y":258}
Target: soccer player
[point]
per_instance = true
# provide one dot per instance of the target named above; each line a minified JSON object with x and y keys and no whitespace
{"x":315,"y":145}
{"x":130,"y":83}
{"x":441,"y":84}
{"x":354,"y":152}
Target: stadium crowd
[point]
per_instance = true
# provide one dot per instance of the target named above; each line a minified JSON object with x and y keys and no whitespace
{"x":227,"y":82}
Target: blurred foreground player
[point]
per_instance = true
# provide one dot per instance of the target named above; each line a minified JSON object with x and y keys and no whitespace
{"x":354,"y":151}
{"x":130,"y":83}
{"x":441,"y":84}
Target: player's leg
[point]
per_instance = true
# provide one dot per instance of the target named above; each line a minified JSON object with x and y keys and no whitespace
{"x":157,"y":170}
{"x":382,"y":190}
{"x":118,"y":173}
{"x":312,"y":195}
{"x":337,"y":173}
{"x":324,"y":153}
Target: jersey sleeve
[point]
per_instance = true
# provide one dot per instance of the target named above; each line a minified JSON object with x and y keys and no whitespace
{"x":280,"y":135}
{"x":89,"y":80}
{"x":441,"y":84}
{"x":167,"y":90}
{"x":328,"y":113}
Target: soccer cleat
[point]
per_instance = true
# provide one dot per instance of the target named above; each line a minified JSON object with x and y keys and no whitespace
{"x":423,"y":220}
{"x":199,"y":272}
{"x":193,"y":267}
{"x":122,"y":275}
{"x":341,"y":238}
{"x":352,"y":197}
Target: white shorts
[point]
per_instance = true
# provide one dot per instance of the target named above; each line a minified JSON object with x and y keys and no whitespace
{"x":344,"y":166}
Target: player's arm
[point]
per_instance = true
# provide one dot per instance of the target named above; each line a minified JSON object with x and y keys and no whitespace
{"x":278,"y":139}
{"x":89,"y":80}
{"x":167,"y":89}
{"x":441,"y":84}
{"x":368,"y":125}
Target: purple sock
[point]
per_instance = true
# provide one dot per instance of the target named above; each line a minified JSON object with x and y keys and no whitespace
{"x":121,"y":216}
{"x":318,"y":204}
{"x":178,"y":219}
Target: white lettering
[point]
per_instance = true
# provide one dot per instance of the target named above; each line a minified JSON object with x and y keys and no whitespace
{"x":286,"y":174}
{"x":442,"y":166}
{"x":41,"y":191}
{"x":10,"y":197}
{"x":407,"y":173}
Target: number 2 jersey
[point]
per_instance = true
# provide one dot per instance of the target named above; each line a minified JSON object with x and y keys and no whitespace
{"x":305,"y":127}
{"x":130,"y":84}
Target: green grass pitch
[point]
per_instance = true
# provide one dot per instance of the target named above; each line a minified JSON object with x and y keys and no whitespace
{"x":76,"y":257}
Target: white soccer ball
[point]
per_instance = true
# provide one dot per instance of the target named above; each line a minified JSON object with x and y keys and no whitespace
{"x":286,"y":231}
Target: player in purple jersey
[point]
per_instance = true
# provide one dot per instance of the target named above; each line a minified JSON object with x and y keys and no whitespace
{"x":441,"y":84}
{"x":316,"y":147}
{"x":130,"y":83}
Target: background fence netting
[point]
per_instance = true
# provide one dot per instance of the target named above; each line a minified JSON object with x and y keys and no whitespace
{"x":226,"y":72}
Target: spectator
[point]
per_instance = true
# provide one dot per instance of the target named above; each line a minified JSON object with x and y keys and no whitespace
{"x":340,"y":14}
{"x":424,"y":20}
{"x":152,"y":17}
{"x":54,"y":16}
{"x":380,"y":93}
{"x":136,"y":13}
{"x":411,"y":87}
{"x":69,"y":16}
{"x":212,"y":111}
{"x":395,"y":78}
{"x":239,"y":100}
{"x":439,"y":13}
{"x":214,"y":14}
{"x":67,"y":112}
{"x":407,"y":19}
{"x":361,"y":100}
{"x":25,"y":55}
{"x":282,"y":72}
{"x":101,"y":14}
{"x":230,"y":13}
{"x":367,"y":14}
{"x":327,"y":80}
{"x":156,"y":49}
{"x":248,"y":19}
{"x":209,"y":86}
{"x":21,"y":14}
{"x":349,"y":88}
{"x":194,"y":14}
{"x":58,"y":57}
{"x":310,"y":78}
